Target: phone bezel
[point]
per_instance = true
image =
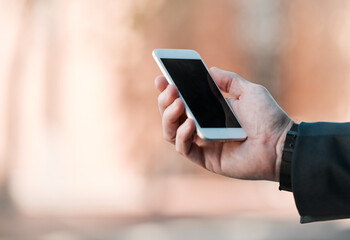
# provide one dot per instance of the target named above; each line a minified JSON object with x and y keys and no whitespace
{"x":207,"y":134}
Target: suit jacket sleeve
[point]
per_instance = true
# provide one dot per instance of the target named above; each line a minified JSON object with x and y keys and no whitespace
{"x":321,"y":171}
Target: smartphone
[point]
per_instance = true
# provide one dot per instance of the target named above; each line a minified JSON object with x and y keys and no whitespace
{"x":204,"y":102}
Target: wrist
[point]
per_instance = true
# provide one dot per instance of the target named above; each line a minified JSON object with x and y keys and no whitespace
{"x":279,"y":149}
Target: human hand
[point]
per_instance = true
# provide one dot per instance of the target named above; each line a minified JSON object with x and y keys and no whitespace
{"x":266,"y":125}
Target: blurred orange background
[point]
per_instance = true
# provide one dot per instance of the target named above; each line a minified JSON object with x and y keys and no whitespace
{"x":80,"y":132}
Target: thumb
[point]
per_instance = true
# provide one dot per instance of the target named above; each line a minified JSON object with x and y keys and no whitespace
{"x":228,"y":81}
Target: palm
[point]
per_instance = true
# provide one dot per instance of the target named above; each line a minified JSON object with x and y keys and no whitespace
{"x":254,"y":158}
{"x":263,"y":120}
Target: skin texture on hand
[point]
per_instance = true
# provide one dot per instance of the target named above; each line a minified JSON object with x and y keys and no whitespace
{"x":266,"y":125}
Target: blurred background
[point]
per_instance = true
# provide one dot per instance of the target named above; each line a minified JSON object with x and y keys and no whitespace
{"x":81,"y":148}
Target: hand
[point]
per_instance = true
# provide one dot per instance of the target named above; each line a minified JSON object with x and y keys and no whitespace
{"x":266,"y":125}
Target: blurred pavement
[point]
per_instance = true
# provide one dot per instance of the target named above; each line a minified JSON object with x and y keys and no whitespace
{"x":235,"y":227}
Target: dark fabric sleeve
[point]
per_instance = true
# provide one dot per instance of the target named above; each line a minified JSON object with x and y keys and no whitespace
{"x":321,"y":171}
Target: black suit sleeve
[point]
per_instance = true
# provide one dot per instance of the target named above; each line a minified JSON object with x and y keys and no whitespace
{"x":321,"y":171}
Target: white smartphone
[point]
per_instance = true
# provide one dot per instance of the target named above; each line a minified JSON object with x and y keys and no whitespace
{"x":204,"y":102}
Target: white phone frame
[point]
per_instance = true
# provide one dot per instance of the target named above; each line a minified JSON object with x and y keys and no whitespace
{"x":207,"y":134}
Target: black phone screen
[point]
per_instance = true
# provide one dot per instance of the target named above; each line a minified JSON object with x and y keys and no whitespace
{"x":200,"y":93}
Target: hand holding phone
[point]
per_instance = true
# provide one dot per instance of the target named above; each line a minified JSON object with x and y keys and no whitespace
{"x":266,"y":125}
{"x":203,"y":100}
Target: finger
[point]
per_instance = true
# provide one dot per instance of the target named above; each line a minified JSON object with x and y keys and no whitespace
{"x":161,"y":83}
{"x":233,"y":103}
{"x":171,"y":119}
{"x":229,"y":82}
{"x":167,"y":97}
{"x":185,"y":142}
{"x":184,"y":137}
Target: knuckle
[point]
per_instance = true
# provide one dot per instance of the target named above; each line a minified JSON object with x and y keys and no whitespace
{"x":178,"y":148}
{"x":169,"y":132}
{"x":258,"y":87}
{"x":180,"y":134}
{"x":263,"y":89}
{"x":167,"y":117}
{"x":171,"y":114}
{"x":161,"y":99}
{"x":235,"y":75}
{"x":170,"y":91}
{"x":168,"y":137}
{"x":179,"y":140}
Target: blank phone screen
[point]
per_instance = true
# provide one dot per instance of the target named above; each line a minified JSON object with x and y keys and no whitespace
{"x":200,"y":93}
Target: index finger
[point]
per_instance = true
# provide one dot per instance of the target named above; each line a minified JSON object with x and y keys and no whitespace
{"x":161,"y":83}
